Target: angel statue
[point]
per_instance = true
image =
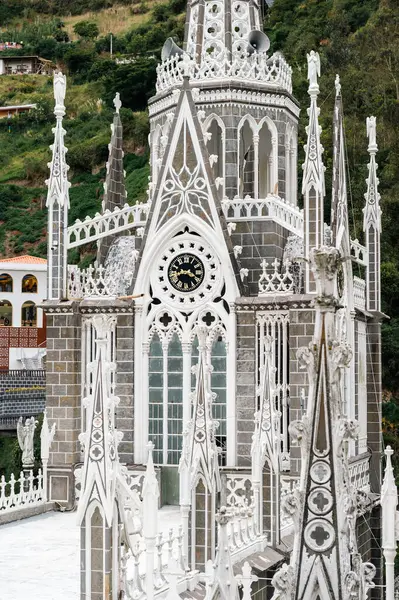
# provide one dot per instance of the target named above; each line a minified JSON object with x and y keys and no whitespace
{"x":25,"y":439}
{"x":313,"y":69}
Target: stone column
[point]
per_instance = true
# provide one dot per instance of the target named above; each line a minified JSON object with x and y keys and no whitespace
{"x":63,"y":396}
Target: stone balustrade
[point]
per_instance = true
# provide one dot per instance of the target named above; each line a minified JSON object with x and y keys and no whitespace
{"x":359,"y":472}
{"x":268,"y":72}
{"x":102,"y":225}
{"x":17,"y":493}
{"x":271,"y":207}
{"x":359,"y":293}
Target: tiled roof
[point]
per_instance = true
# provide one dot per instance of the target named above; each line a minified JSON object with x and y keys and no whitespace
{"x":27,"y":259}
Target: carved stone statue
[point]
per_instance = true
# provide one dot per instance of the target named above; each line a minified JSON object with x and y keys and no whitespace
{"x":59,"y":88}
{"x":313,"y":69}
{"x":371,"y":132}
{"x":282,"y":582}
{"x":25,"y":435}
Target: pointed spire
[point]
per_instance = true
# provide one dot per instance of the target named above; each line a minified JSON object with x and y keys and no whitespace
{"x":325,"y":559}
{"x":100,"y":467}
{"x":58,"y":200}
{"x":223,"y":585}
{"x":57,"y":184}
{"x":150,"y":494}
{"x":200,"y":453}
{"x":266,"y":438}
{"x":313,"y":184}
{"x":372,"y":222}
{"x":339,"y":205}
{"x":266,"y":446}
{"x":114,"y":185}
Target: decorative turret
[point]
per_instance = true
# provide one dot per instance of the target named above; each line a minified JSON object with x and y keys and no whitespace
{"x":325,"y":561}
{"x":222,"y":28}
{"x":114,"y":185}
{"x":372,"y":223}
{"x":58,"y":200}
{"x":313,"y":185}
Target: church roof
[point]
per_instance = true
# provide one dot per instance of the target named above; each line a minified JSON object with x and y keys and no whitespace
{"x":26,"y":259}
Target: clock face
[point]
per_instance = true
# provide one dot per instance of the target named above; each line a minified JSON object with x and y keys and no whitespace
{"x":186,"y":273}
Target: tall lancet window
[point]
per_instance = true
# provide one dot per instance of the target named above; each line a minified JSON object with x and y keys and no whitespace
{"x":246,"y":160}
{"x":218,"y":358}
{"x":266,"y":162}
{"x":165,"y":402}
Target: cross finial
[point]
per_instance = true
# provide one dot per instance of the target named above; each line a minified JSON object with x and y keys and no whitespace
{"x":337,"y":85}
{"x":117,"y":102}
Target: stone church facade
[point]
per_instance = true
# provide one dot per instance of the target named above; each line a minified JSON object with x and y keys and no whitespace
{"x":216,"y":264}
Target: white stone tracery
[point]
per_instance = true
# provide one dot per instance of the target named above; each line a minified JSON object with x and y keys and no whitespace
{"x":169,"y":328}
{"x":274,"y":325}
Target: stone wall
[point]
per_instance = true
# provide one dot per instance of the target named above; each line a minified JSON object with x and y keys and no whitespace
{"x":63,"y":396}
{"x":22,"y":392}
{"x":124,"y":384}
{"x":259,"y":240}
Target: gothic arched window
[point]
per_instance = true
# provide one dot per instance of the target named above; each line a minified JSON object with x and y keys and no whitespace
{"x":246,"y":160}
{"x":28,"y":314}
{"x":29,"y":284}
{"x":5,"y":282}
{"x":166,"y":399}
{"x":5,"y":313}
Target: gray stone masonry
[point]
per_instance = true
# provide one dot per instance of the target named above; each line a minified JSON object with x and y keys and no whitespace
{"x":22,"y":392}
{"x":259,"y":240}
{"x":124,"y":384}
{"x":374,"y":391}
{"x":63,"y":395}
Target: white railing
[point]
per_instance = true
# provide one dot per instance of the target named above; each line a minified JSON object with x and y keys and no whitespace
{"x":276,"y":278}
{"x":359,"y":293}
{"x":359,"y":472}
{"x":90,"y":282}
{"x":102,"y":225}
{"x":272,"y":207}
{"x":271,"y":71}
{"x":18,"y":493}
{"x":359,"y":253}
{"x":168,"y":549}
{"x":242,"y":535}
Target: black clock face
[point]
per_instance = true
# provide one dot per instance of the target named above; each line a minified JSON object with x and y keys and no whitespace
{"x":186,"y":272}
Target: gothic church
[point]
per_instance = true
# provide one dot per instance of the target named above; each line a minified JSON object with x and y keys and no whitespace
{"x":211,"y":308}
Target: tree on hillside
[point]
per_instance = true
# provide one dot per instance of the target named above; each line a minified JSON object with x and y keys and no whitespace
{"x":86,"y":30}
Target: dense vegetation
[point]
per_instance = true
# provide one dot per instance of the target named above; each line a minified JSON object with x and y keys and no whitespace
{"x":359,"y":40}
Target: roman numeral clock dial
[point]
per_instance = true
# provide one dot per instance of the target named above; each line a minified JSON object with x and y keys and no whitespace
{"x":186,"y":273}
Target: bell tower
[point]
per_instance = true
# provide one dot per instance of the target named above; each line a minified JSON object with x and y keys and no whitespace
{"x":243,"y":96}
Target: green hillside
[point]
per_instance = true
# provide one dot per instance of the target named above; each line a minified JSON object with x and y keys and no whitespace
{"x":358,"y":40}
